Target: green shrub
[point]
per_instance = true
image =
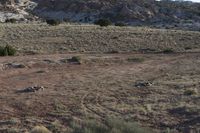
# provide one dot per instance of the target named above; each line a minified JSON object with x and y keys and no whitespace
{"x":135,"y":59}
{"x":53,"y":22}
{"x":190,"y":92}
{"x":75,"y":59}
{"x":103,"y":22}
{"x":113,"y":52}
{"x":11,"y":51}
{"x":188,"y":48}
{"x":12,"y":20}
{"x":120,"y":24}
{"x":7,"y":51}
{"x":168,"y":51}
{"x":1,"y":51}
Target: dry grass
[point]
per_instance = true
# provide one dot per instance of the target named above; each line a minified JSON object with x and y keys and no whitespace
{"x":40,"y":129}
{"x":41,"y":38}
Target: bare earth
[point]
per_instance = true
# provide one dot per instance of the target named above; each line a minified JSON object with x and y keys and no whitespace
{"x":159,"y":91}
{"x":103,"y":85}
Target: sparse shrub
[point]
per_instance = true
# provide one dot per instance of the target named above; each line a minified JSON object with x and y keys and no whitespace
{"x":12,"y":20}
{"x":168,"y":51}
{"x":40,"y":129}
{"x":120,"y":24}
{"x":11,"y":51}
{"x":89,"y":126}
{"x":113,"y":52}
{"x":135,"y":59}
{"x":125,"y":127}
{"x":53,"y":22}
{"x":115,"y":37}
{"x":188,"y":48}
{"x":189,"y":92}
{"x":75,"y":59}
{"x":110,"y":126}
{"x":103,"y":22}
{"x":7,"y":51}
{"x":56,"y":127}
{"x":1,"y":51}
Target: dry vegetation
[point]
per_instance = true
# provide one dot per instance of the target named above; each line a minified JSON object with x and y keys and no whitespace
{"x":87,"y":91}
{"x":41,"y":38}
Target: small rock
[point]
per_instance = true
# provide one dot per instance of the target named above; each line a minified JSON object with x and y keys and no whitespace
{"x":48,"y":61}
{"x":14,"y":65}
{"x":141,"y":84}
{"x":31,"y":89}
{"x":1,"y":67}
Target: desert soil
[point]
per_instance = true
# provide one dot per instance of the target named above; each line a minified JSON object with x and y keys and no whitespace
{"x":137,"y":83}
{"x":103,"y":85}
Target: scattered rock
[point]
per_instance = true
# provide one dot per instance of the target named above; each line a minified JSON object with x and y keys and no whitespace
{"x":140,"y":84}
{"x":41,"y":71}
{"x":48,"y":61}
{"x":1,"y":67}
{"x":75,"y":60}
{"x":31,"y":89}
{"x":13,"y":65}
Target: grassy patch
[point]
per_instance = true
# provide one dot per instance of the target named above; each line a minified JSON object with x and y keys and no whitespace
{"x":40,"y":129}
{"x":110,"y":126}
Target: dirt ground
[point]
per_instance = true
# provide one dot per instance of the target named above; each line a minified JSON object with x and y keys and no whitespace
{"x":160,"y":91}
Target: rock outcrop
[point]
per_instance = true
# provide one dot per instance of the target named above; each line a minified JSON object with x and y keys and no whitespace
{"x":131,"y":12}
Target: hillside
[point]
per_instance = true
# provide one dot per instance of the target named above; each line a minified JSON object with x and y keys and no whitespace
{"x":41,"y":38}
{"x":167,"y":14}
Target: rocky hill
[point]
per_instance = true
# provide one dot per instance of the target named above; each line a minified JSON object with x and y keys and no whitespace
{"x":132,"y":12}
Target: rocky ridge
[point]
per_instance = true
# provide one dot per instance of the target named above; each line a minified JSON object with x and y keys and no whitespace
{"x":132,"y":12}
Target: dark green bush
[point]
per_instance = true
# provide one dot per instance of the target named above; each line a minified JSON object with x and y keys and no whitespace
{"x":1,"y":51}
{"x":103,"y":22}
{"x":12,"y":20}
{"x":188,"y":48}
{"x":189,"y":92}
{"x":75,"y":60}
{"x":120,"y":24}
{"x":53,"y":22}
{"x":168,"y":51}
{"x":7,"y":51}
{"x":136,"y":59}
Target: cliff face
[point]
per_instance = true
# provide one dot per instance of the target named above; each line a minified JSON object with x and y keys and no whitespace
{"x":17,"y":9}
{"x":132,"y":12}
{"x":89,"y":10}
